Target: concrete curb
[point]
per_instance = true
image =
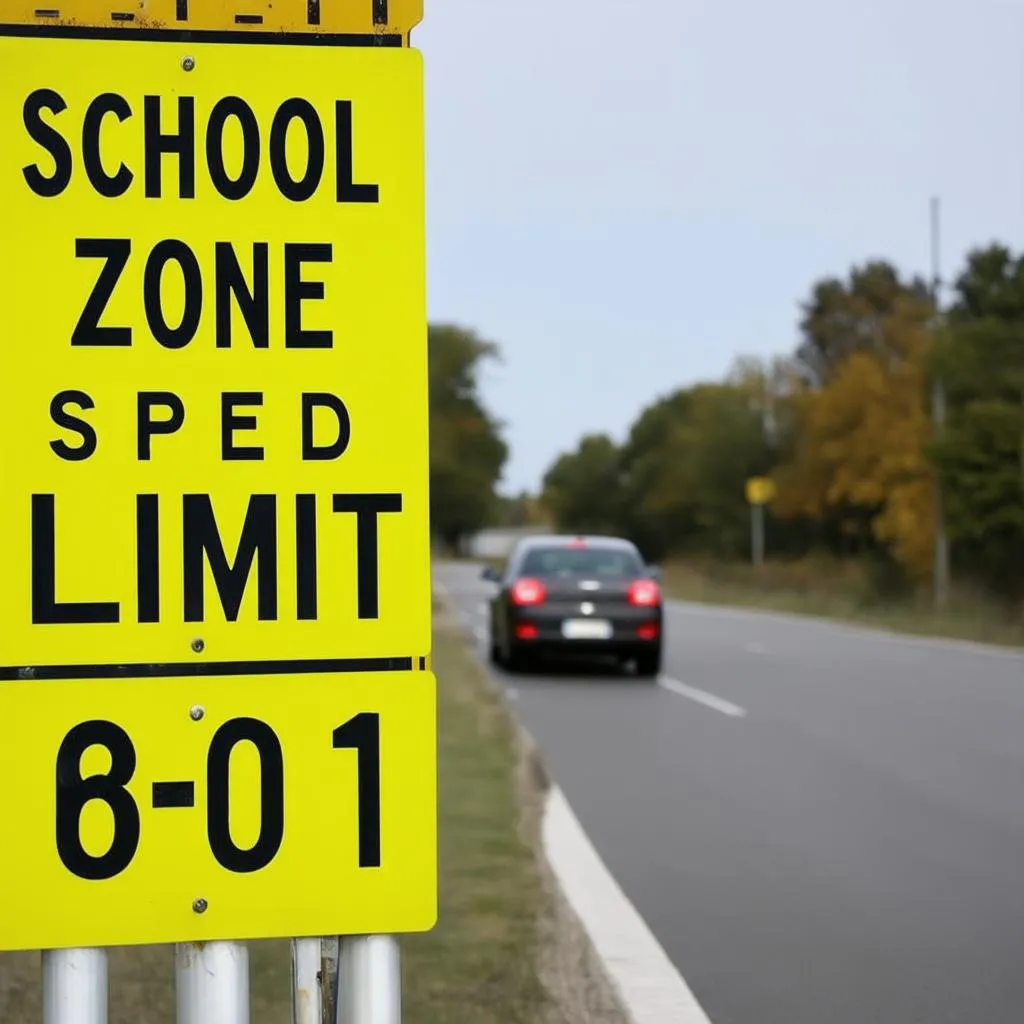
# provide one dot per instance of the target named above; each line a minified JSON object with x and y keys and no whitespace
{"x":648,"y":984}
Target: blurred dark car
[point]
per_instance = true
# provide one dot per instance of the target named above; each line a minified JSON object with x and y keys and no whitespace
{"x":584,"y":595}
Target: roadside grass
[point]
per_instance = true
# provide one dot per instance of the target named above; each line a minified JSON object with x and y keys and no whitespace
{"x":842,"y":592}
{"x":480,"y":964}
{"x":506,"y":950}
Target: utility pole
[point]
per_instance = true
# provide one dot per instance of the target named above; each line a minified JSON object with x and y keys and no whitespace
{"x":940,"y":573}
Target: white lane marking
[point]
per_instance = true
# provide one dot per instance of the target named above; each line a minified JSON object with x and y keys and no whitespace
{"x":483,"y":609}
{"x":709,"y":700}
{"x":756,"y":648}
{"x":648,"y":983}
{"x":480,"y":633}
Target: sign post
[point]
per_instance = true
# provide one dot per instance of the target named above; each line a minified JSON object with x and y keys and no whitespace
{"x":75,"y":986}
{"x":369,"y":982}
{"x":217,"y":714}
{"x":307,"y":989}
{"x":759,"y":490}
{"x":212,"y":982}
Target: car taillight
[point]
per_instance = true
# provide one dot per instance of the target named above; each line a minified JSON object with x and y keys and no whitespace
{"x":528,"y":592}
{"x":644,"y":593}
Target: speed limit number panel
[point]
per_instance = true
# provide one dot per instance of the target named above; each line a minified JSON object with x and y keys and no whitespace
{"x":254,"y":807}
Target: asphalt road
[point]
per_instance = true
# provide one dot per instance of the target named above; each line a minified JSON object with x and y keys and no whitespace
{"x":821,"y":824}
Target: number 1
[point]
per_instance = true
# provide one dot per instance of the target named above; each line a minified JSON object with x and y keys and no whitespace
{"x":362,"y":734}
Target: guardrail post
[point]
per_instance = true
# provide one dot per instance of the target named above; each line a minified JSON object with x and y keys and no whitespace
{"x":369,"y":980}
{"x":307,"y":991}
{"x":75,"y":986}
{"x":213,"y":982}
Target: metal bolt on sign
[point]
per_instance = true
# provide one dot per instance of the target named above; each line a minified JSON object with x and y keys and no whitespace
{"x":103,"y":135}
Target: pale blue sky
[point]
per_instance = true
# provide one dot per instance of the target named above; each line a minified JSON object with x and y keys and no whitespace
{"x":627,"y":194}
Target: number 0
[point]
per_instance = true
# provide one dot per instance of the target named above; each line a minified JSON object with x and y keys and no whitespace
{"x":218,"y":821}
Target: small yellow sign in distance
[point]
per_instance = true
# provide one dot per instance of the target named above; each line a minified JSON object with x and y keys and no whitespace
{"x":378,"y":17}
{"x":213,"y":364}
{"x":210,"y":808}
{"x":760,"y":490}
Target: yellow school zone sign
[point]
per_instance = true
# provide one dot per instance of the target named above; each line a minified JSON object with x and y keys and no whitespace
{"x":216,"y":709}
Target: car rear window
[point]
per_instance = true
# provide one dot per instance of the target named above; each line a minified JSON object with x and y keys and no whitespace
{"x":599,"y":563}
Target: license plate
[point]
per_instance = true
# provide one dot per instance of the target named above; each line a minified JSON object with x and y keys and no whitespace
{"x":586,"y":629}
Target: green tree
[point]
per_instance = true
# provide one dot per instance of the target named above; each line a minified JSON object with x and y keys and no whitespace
{"x":644,"y":461}
{"x":678,"y":482}
{"x":980,"y":455}
{"x":843,"y":317}
{"x":716,"y":442}
{"x":582,"y":489}
{"x":467,"y":451}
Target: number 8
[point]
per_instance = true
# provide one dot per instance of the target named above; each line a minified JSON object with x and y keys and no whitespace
{"x":74,"y":792}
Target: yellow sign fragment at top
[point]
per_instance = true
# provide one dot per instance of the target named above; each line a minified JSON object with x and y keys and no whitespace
{"x":391,"y":20}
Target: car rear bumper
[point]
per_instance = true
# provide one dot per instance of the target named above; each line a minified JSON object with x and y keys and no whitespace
{"x":631,"y":629}
{"x":558,"y":650}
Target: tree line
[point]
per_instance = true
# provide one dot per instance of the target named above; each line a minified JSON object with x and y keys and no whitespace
{"x":844,"y":427}
{"x":467,"y":449}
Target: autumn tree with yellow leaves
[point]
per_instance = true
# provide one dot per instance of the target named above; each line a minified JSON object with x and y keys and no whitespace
{"x":859,"y":461}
